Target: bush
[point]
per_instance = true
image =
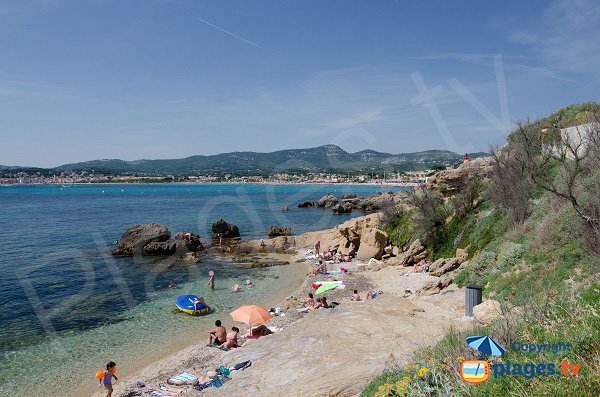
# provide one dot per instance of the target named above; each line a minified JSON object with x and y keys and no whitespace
{"x":399,"y":228}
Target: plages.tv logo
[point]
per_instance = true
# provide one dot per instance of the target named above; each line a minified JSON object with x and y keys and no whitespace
{"x":479,"y":371}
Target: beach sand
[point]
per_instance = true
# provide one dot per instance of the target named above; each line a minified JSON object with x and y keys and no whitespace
{"x":332,"y":352}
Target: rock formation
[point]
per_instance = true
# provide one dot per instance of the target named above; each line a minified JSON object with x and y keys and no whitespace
{"x":453,"y":181}
{"x":487,"y":311}
{"x":276,"y":231}
{"x":306,"y":204}
{"x":342,"y":208}
{"x":154,"y":239}
{"x":443,"y":266}
{"x":136,"y":237}
{"x":226,"y":230}
{"x":413,"y":254}
{"x":327,"y":201}
{"x":372,"y":243}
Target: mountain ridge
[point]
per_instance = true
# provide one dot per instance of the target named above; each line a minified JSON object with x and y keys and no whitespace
{"x":321,"y":158}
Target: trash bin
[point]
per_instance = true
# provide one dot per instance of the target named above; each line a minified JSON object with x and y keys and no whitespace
{"x":472,"y":298}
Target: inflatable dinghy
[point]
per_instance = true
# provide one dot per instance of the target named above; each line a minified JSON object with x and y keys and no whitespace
{"x":185,"y":303}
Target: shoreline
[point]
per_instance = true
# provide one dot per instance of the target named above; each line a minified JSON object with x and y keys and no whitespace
{"x":400,"y":323}
{"x":181,"y":347}
{"x":392,"y":184}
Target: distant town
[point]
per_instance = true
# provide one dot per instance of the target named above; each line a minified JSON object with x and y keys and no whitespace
{"x":408,"y":178}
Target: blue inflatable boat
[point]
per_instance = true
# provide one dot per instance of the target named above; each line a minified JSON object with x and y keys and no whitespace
{"x":185,"y":303}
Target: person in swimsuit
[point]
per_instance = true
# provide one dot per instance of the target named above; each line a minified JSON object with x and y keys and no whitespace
{"x":211,"y":281}
{"x":232,"y":341}
{"x":106,"y":381}
{"x":317,"y":248}
{"x":356,"y":296}
{"x":217,"y":335}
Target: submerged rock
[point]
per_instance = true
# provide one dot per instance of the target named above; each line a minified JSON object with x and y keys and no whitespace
{"x":306,"y":204}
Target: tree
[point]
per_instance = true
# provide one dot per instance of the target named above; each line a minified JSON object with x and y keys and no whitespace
{"x":564,"y":162}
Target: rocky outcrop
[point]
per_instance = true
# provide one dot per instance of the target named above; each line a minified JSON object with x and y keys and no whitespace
{"x":454,"y":180}
{"x":372,"y":243}
{"x":327,"y":201}
{"x":306,"y":204}
{"x":182,"y":244}
{"x":443,"y":266}
{"x":136,"y":237}
{"x":376,"y":202}
{"x":342,"y":208}
{"x":226,"y":230}
{"x":487,"y":311}
{"x":349,"y":196}
{"x":413,"y":254}
{"x":276,"y":231}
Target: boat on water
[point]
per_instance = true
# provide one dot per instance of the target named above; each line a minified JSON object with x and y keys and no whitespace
{"x":185,"y":303}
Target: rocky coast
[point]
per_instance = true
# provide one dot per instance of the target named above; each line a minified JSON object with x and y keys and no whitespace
{"x":330,"y":351}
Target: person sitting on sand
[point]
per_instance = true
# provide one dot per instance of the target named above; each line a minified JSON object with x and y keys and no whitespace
{"x":420,"y":267}
{"x":321,"y":269}
{"x":217,"y":335}
{"x":249,"y":284}
{"x":355,"y":296}
{"x":231,"y":341}
{"x":324,"y":303}
{"x":236,"y":288}
{"x":309,"y":302}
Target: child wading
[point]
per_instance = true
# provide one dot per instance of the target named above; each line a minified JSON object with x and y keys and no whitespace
{"x":106,"y":381}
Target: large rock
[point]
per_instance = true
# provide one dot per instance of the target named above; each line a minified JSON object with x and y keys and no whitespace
{"x":134,"y":240}
{"x":182,"y":244}
{"x":413,"y":254}
{"x":454,"y":180}
{"x":372,"y":243}
{"x":487,"y":311}
{"x":349,"y":196}
{"x":327,"y":201}
{"x":443,"y":266}
{"x":306,"y":204}
{"x":461,"y":255}
{"x":224,"y":229}
{"x":342,"y":208}
{"x":276,"y":231}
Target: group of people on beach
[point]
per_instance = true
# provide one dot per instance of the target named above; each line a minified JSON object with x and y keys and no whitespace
{"x":311,"y":304}
{"x":332,"y":254}
{"x":219,"y":337}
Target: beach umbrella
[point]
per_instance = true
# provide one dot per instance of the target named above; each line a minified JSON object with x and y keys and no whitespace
{"x":485,"y":345}
{"x":325,"y":288}
{"x":251,"y":314}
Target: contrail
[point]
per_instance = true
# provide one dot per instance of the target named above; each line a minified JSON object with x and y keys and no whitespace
{"x":228,"y":32}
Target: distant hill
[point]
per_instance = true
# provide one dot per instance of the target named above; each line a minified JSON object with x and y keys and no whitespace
{"x":329,"y":158}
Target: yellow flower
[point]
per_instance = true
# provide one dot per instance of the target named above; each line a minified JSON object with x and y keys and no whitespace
{"x":423,"y":371}
{"x":460,"y":358}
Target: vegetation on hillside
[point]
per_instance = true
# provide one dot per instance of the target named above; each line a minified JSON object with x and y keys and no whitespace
{"x":532,"y":234}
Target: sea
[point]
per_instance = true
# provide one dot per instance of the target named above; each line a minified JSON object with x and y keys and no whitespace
{"x":67,"y":306}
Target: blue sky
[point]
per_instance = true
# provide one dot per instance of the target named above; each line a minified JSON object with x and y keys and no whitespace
{"x":131,"y":79}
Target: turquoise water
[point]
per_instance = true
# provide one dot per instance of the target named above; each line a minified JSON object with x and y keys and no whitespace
{"x":67,"y":306}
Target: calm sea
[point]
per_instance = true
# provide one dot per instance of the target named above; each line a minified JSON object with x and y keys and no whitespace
{"x":67,"y":306}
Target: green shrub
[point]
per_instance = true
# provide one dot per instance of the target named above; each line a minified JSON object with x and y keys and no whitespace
{"x":399,"y":228}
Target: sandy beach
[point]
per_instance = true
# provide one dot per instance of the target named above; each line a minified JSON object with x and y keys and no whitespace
{"x":332,"y":352}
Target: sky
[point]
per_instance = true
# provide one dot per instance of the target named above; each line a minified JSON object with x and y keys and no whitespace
{"x":146,"y":79}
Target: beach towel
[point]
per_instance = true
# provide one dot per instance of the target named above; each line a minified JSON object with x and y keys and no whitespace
{"x":183,"y":378}
{"x":155,"y":393}
{"x":243,"y":365}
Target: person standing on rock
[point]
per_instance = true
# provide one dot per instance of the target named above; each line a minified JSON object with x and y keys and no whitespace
{"x":211,"y":280}
{"x":220,"y":240}
{"x":317,"y":248}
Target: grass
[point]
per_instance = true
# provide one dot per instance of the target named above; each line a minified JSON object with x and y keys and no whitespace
{"x":399,"y":228}
{"x":565,"y":319}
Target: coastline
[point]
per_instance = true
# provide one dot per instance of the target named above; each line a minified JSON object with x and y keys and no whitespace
{"x":288,"y":362}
